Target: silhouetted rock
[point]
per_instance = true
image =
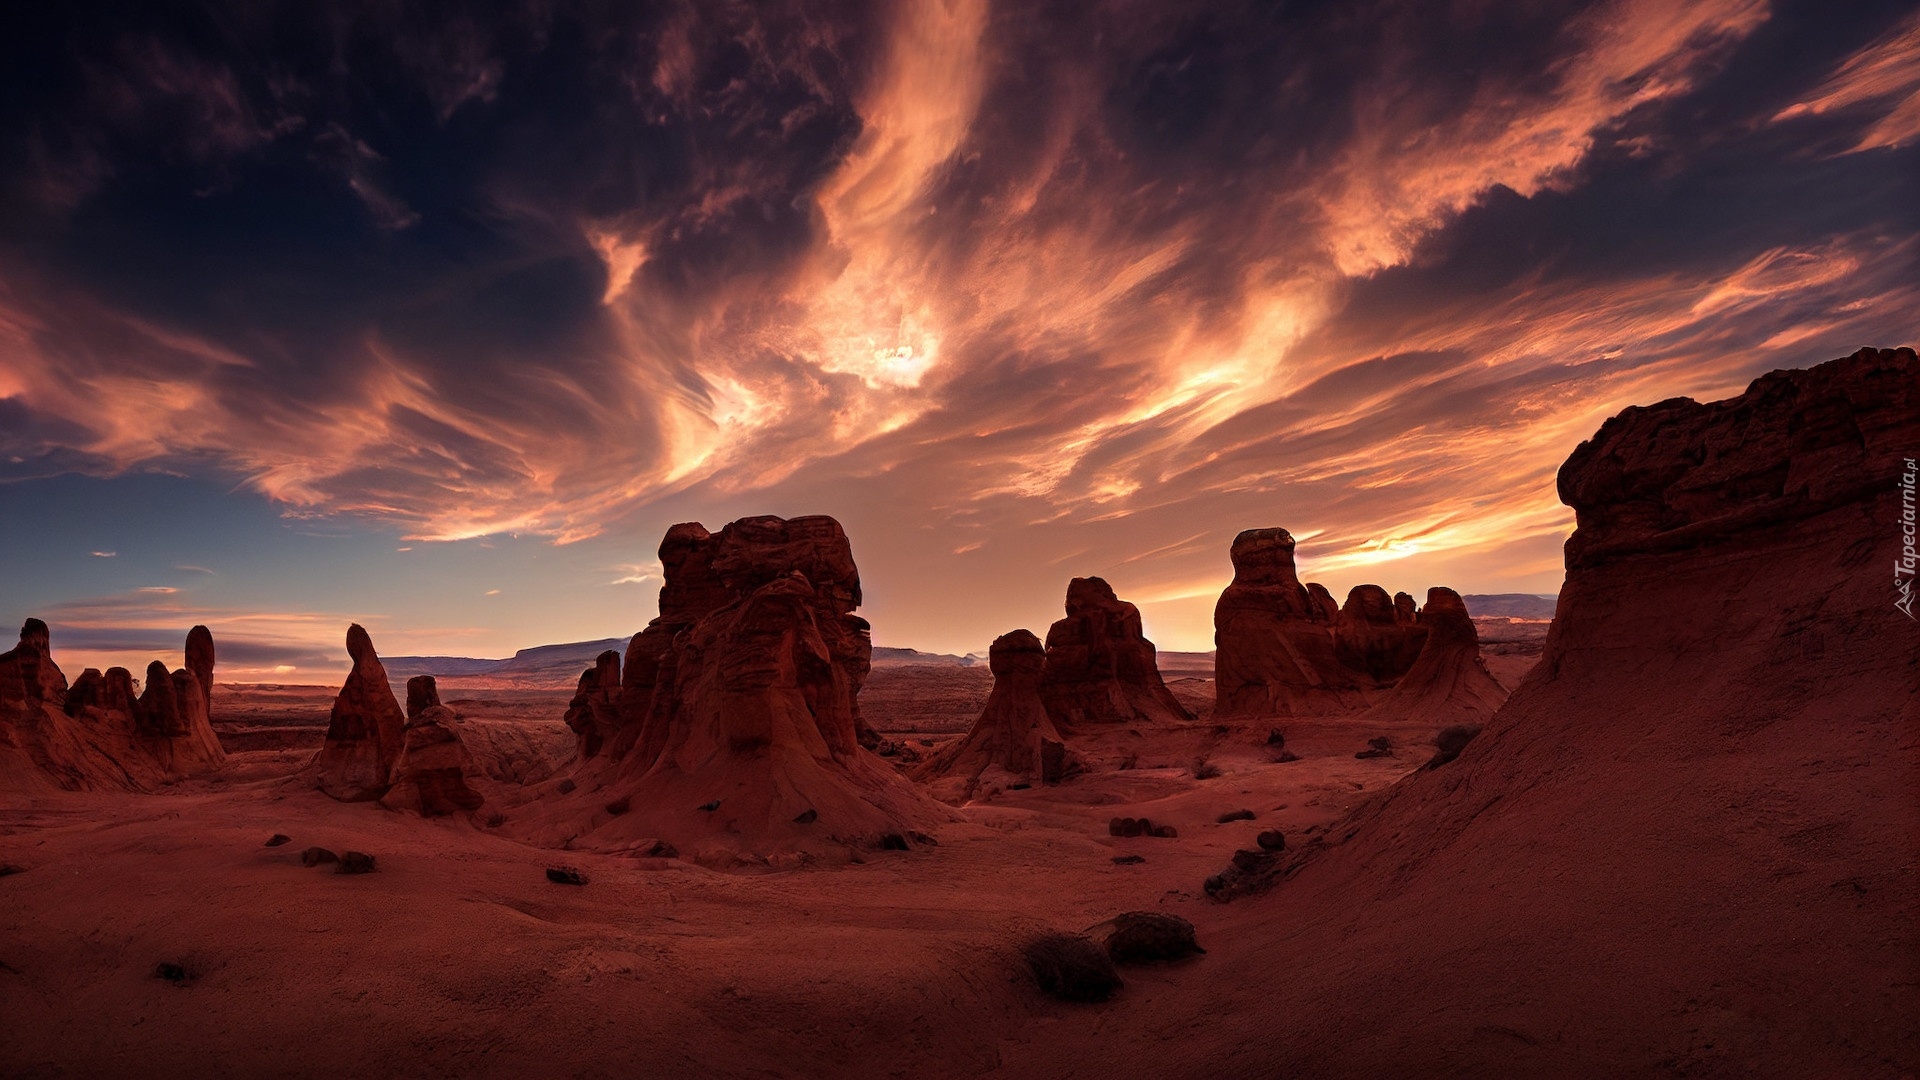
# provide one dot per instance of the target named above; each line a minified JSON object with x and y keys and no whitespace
{"x":1071,"y":967}
{"x":1271,"y":840}
{"x":200,"y":658}
{"x":27,"y":671}
{"x":1145,"y":937}
{"x":423,"y":693}
{"x":84,"y":692}
{"x":365,"y":732}
{"x":594,"y":712}
{"x":1013,"y":739}
{"x":1099,"y":667}
{"x":1374,"y":636}
{"x":1274,"y":639}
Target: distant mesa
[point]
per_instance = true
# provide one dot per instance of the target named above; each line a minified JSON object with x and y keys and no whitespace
{"x":1099,"y":669}
{"x":1014,"y":740}
{"x":1284,"y":648}
{"x":1727,"y":681}
{"x":97,"y":734}
{"x":742,"y":695}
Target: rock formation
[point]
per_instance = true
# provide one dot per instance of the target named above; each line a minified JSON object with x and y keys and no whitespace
{"x":365,"y":730}
{"x":200,"y":659}
{"x":1283,"y":648}
{"x":1013,"y":737}
{"x":1100,"y":668}
{"x":423,"y":693}
{"x":738,"y":710}
{"x":1703,"y":794}
{"x":594,"y":712}
{"x":1449,"y":682}
{"x":96,"y":734}
{"x":434,"y":774}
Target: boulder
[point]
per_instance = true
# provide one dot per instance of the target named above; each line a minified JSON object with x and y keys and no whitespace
{"x":423,"y":693}
{"x":365,"y":732}
{"x":1100,"y":669}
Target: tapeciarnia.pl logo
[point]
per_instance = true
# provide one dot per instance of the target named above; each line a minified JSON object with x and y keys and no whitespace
{"x":1903,"y":567}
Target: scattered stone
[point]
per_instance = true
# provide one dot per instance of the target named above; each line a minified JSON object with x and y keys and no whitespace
{"x":1275,"y":738}
{"x":620,"y":806}
{"x":710,"y":807}
{"x":1378,"y":748}
{"x":1071,"y":967}
{"x":172,"y":972}
{"x":1285,"y":756}
{"x":354,"y":862}
{"x":1272,"y":840}
{"x":565,"y":787}
{"x":807,"y":817}
{"x":1129,"y":860}
{"x":9,"y":869}
{"x":279,"y":838}
{"x":1164,"y":832}
{"x":314,"y":856}
{"x":1235,"y":815}
{"x":496,"y":819}
{"x":1144,"y":937}
{"x":1450,"y":742}
{"x":893,"y":842}
{"x":565,"y":875}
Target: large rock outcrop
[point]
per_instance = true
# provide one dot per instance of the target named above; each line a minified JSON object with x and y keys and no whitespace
{"x":1283,"y":648}
{"x":365,"y":731}
{"x":1013,"y":738}
{"x":97,"y":734}
{"x":738,"y":733}
{"x":1685,"y":843}
{"x":1449,"y":682}
{"x":1100,"y":668}
{"x":434,"y":775}
{"x":200,"y":659}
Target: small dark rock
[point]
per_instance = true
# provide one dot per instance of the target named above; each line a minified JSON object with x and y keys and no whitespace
{"x":1235,"y":815}
{"x":8,"y":869}
{"x":1129,"y":860}
{"x":1275,"y":737}
{"x":922,"y":838}
{"x":1165,"y":832}
{"x":1018,"y":787}
{"x":173,"y":973}
{"x":354,"y":862}
{"x":1252,"y":861}
{"x":619,"y":806}
{"x":314,"y":856}
{"x":710,"y":807}
{"x":1071,"y":967}
{"x":495,"y":820}
{"x":279,"y":838}
{"x":565,"y":787}
{"x":1285,"y":756}
{"x":1373,"y":753}
{"x":1141,"y":937}
{"x":893,"y":842}
{"x":565,"y":875}
{"x":1272,"y":840}
{"x":807,"y":817}
{"x":1380,"y":743}
{"x":1450,"y":742}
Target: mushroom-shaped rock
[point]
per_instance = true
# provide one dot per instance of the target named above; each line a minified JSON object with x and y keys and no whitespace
{"x":365,"y":731}
{"x":1100,"y":668}
{"x":750,"y":678}
{"x":1013,"y":733}
{"x":1449,"y":683}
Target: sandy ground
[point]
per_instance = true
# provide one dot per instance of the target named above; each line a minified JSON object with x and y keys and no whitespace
{"x":459,"y":958}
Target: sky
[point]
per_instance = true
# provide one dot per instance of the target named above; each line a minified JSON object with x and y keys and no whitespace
{"x":435,"y":317}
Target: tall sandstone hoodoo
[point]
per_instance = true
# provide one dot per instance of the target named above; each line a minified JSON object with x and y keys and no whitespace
{"x":1283,"y":648}
{"x":365,"y":731}
{"x":1100,"y":668}
{"x":96,"y":734}
{"x":1013,"y":736}
{"x":1449,"y":682}
{"x":1691,"y":829}
{"x":736,"y":735}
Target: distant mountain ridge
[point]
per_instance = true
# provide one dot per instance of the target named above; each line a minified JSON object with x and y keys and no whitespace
{"x":1513,"y":605}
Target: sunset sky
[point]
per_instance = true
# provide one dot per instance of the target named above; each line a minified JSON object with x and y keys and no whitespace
{"x":318,"y":313}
